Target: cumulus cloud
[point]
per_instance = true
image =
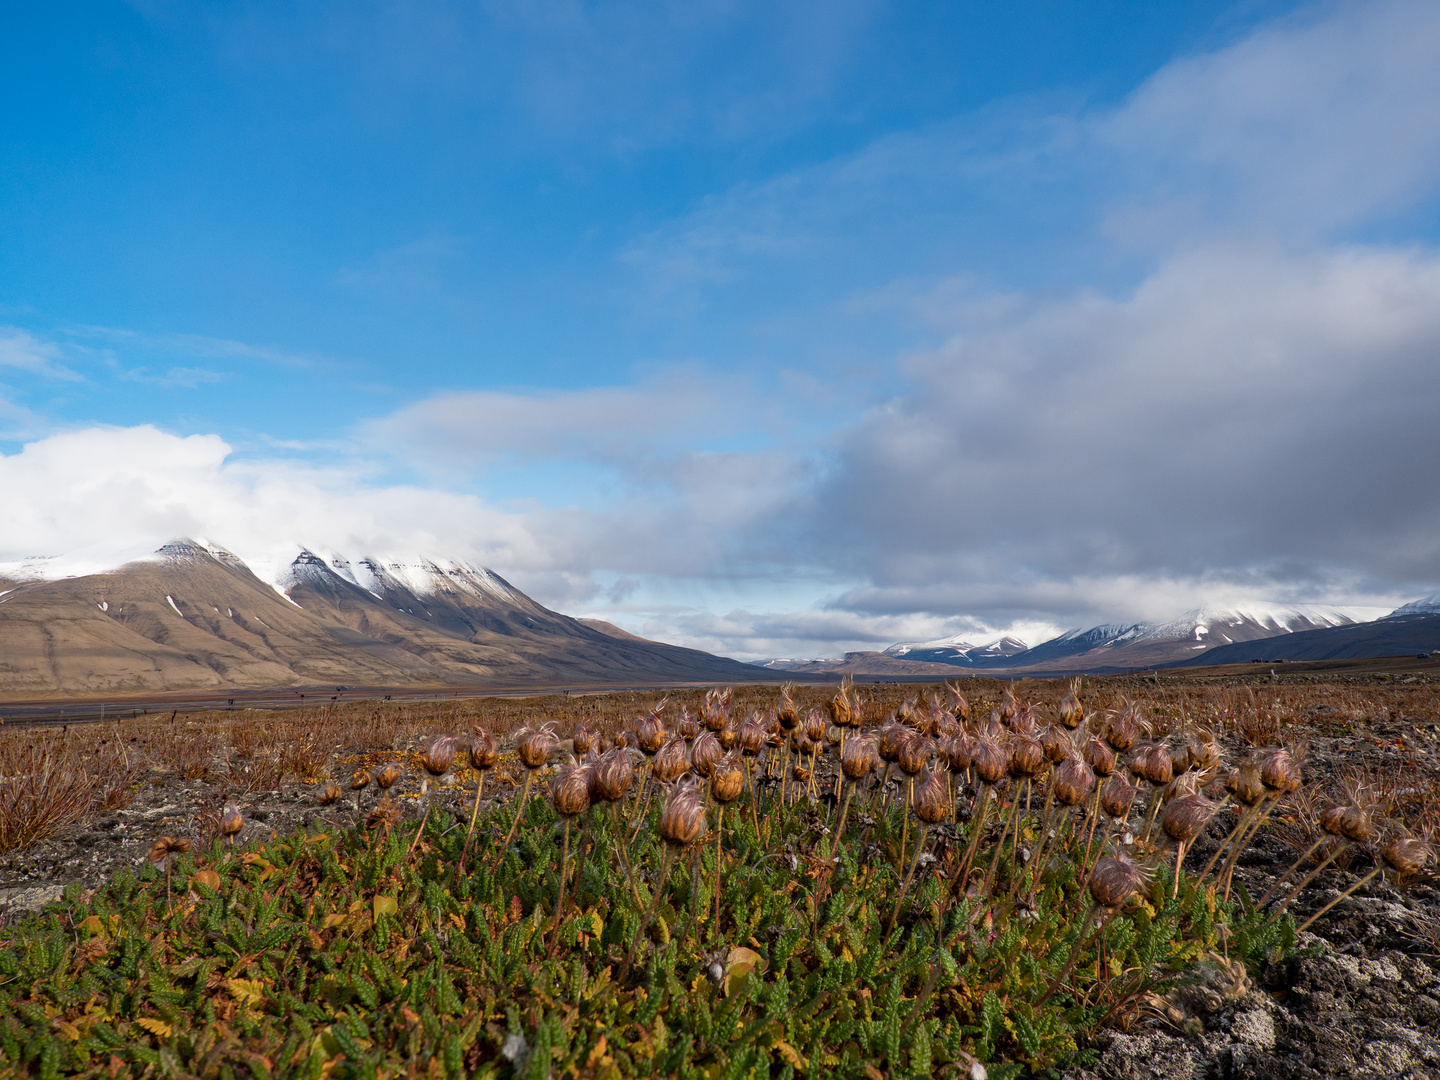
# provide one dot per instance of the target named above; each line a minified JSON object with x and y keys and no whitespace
{"x":1244,"y":414}
{"x":147,"y":486}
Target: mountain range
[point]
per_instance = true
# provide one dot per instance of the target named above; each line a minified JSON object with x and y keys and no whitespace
{"x":1203,"y":636}
{"x":193,"y":615}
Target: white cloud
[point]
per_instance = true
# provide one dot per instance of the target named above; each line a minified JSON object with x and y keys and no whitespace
{"x":24,"y":352}
{"x":1245,"y":419}
{"x":1324,"y":119}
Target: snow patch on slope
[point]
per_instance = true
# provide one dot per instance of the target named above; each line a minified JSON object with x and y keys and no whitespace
{"x":1426,"y":605}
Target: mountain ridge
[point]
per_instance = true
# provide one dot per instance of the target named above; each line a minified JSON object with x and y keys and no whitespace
{"x":191,"y":614}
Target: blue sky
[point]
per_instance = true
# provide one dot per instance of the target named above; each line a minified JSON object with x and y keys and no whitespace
{"x":775,"y":329}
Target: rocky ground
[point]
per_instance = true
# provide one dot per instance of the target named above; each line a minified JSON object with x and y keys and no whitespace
{"x":1361,"y":998}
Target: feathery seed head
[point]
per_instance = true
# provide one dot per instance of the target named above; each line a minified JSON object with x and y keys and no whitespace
{"x":583,"y":740}
{"x":958,"y":705}
{"x":359,"y":780}
{"x":440,"y":755}
{"x":706,"y":753}
{"x":1350,"y":821}
{"x":386,"y":778}
{"x":231,"y":820}
{"x":815,"y":725}
{"x":613,"y":774}
{"x":670,"y":762}
{"x":1114,"y":880}
{"x":727,"y":781}
{"x":534,"y":746}
{"x":752,"y":736}
{"x":932,"y":799}
{"x":1071,"y":712}
{"x":1073,"y":780}
{"x":570,"y":791}
{"x":1406,"y":855}
{"x":1099,"y":757}
{"x":1279,"y":771}
{"x":682,"y":818}
{"x":859,"y":758}
{"x":484,"y":751}
{"x":1245,"y":784}
{"x":1027,"y":757}
{"x":166,"y":846}
{"x":1185,"y":818}
{"x":914,"y":753}
{"x":892,"y":733}
{"x":991,"y":761}
{"x":1117,"y":796}
{"x":652,"y":734}
{"x":329,"y":795}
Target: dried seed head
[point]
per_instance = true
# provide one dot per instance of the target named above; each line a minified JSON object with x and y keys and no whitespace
{"x":728,"y":737}
{"x":385,"y":779}
{"x":1351,"y":822}
{"x":859,"y":758}
{"x":752,"y":736}
{"x":534,"y":745}
{"x":1123,"y":732}
{"x":1204,"y":752}
{"x":359,"y":780}
{"x":1279,"y":771}
{"x":1117,"y":796}
{"x":706,"y":753}
{"x":891,"y":736}
{"x":815,"y":725}
{"x":485,"y":751}
{"x":613,"y":774}
{"x":1185,"y":818}
{"x":1056,"y":743}
{"x":932,"y":799}
{"x":652,"y":734}
{"x":726,"y":782}
{"x":1152,"y":763}
{"x":682,"y":818}
{"x":1406,"y":855}
{"x":1071,"y":712}
{"x":788,"y":713}
{"x":946,"y":726}
{"x":804,"y":745}
{"x":715,"y":712}
{"x":1074,"y":780}
{"x":958,"y":705}
{"x":385,"y":815}
{"x":1010,"y":706}
{"x":991,"y":761}
{"x":1180,"y":760}
{"x":440,"y":755}
{"x":1114,"y":880}
{"x":231,"y":820}
{"x":670,"y":762}
{"x":166,"y":846}
{"x":1027,"y":757}
{"x":914,"y":753}
{"x":570,"y":792}
{"x":329,"y":795}
{"x":583,"y":740}
{"x":1244,"y":783}
{"x":1099,"y":757}
{"x":688,"y":726}
{"x":958,"y":751}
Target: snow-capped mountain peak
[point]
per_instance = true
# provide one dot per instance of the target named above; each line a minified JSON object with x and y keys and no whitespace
{"x":1426,"y":605}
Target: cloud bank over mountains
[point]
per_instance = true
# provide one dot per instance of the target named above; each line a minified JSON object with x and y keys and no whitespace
{"x":1219,"y":387}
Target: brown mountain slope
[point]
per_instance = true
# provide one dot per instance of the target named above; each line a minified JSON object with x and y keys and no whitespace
{"x":195,"y":617}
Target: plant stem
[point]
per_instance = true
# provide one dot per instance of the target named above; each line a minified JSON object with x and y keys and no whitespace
{"x":425,"y":817}
{"x":904,"y":885}
{"x":1281,"y":879}
{"x":1308,"y":878}
{"x":963,"y":877}
{"x":560,"y":893}
{"x":999,"y":847}
{"x":624,"y":852}
{"x":665,"y":860}
{"x":719,"y":856}
{"x":1337,"y":899}
{"x":475,"y":813}
{"x":519,"y":812}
